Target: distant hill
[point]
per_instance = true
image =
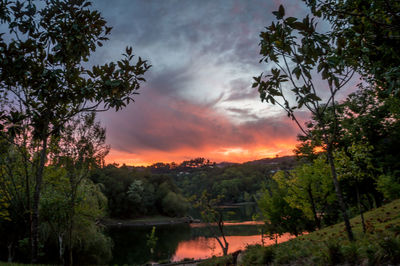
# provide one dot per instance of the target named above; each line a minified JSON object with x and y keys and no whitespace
{"x":225,"y":164}
{"x":284,"y":160}
{"x":277,"y":160}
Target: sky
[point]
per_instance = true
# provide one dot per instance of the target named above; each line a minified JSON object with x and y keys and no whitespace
{"x":197,"y":100}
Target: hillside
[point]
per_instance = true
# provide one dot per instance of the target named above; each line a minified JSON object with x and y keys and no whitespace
{"x":380,"y":245}
{"x":285,"y":160}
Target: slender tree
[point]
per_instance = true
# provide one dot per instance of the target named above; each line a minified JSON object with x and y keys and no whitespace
{"x":212,"y":215}
{"x":300,"y":54}
{"x":80,"y":148}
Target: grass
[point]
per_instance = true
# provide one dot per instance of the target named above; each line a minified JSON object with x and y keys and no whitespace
{"x":330,"y":246}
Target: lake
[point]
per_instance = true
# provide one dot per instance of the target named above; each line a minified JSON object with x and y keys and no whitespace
{"x":180,"y":241}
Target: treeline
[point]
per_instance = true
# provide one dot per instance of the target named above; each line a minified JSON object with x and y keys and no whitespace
{"x":165,"y":189}
{"x":132,"y":193}
{"x":233,"y":184}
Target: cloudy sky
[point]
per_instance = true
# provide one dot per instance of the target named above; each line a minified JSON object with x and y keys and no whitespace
{"x":198,"y":100}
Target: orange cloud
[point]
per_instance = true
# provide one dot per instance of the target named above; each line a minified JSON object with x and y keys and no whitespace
{"x":159,"y":128}
{"x":216,"y":154}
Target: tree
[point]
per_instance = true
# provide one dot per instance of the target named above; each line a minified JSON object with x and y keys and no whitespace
{"x":300,"y":53}
{"x":366,"y":118}
{"x":80,"y":148}
{"x":15,"y":179}
{"x":367,"y":35}
{"x":279,"y":216}
{"x":74,"y":229}
{"x":210,"y":214}
{"x":309,"y":188}
{"x":43,"y":83}
{"x":356,"y":165}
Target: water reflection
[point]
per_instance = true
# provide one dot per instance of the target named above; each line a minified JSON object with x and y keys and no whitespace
{"x":205,"y":247}
{"x":176,"y":242}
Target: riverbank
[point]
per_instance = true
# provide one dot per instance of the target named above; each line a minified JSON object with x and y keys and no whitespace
{"x":380,"y":245}
{"x":147,"y":221}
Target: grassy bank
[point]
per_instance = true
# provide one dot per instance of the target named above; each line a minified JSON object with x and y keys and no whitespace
{"x":380,"y":245}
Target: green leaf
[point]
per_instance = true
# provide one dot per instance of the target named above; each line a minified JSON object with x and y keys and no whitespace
{"x":297,"y":72}
{"x":290,"y":20}
{"x":281,"y":11}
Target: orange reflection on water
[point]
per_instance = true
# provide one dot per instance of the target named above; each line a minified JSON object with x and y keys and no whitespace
{"x":202,"y":247}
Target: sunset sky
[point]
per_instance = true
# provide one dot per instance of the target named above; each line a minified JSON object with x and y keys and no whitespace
{"x":198,"y":100}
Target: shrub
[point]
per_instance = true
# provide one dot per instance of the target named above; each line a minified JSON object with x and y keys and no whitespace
{"x":391,"y":249}
{"x":218,"y":261}
{"x":351,"y":253}
{"x":258,"y":255}
{"x":334,"y":253}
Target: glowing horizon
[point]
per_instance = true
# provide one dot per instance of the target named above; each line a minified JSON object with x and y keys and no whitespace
{"x":232,"y":155}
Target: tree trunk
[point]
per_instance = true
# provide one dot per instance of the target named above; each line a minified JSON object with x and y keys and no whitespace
{"x":360,"y":208}
{"x":10,"y":252}
{"x":221,"y":229}
{"x":61,"y":248}
{"x":314,"y":210}
{"x":70,"y":227}
{"x":339,"y":194}
{"x":28,"y":196}
{"x":262,"y":236}
{"x":36,"y":199}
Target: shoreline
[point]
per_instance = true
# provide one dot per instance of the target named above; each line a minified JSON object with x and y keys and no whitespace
{"x":150,"y":221}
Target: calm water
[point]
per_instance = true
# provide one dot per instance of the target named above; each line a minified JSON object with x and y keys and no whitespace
{"x":177,"y":242}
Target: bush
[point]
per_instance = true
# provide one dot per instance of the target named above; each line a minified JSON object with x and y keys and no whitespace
{"x":391,"y":249}
{"x":334,"y":253}
{"x":351,"y":253}
{"x":218,"y":261}
{"x":388,"y":186}
{"x":174,"y":204}
{"x":258,"y":255}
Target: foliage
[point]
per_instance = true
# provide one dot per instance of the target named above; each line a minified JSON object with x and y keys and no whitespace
{"x":258,"y":255}
{"x":214,"y":217}
{"x":388,"y":186}
{"x":278,"y":215}
{"x":330,"y":245}
{"x":235,"y":183}
{"x":131,"y":193}
{"x":309,"y":189}
{"x":175,"y":204}
{"x":14,"y":187}
{"x":299,"y":53}
{"x":152,"y":240}
{"x":217,"y":261}
{"x":89,"y":207}
{"x":44,"y":82}
{"x":367,"y":35}
{"x":368,"y":119}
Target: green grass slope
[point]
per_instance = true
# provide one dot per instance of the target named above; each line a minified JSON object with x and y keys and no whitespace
{"x":380,"y":245}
